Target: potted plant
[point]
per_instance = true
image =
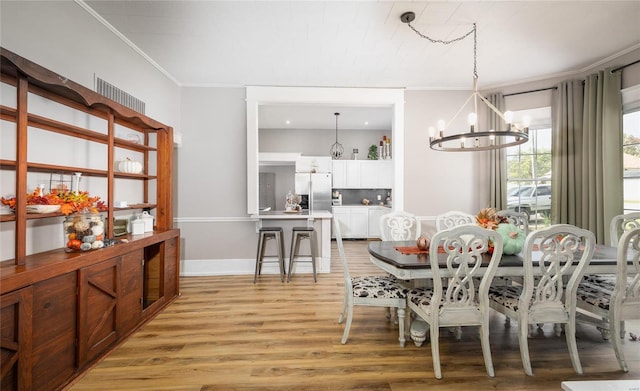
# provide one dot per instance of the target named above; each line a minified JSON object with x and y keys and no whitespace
{"x":373,"y":152}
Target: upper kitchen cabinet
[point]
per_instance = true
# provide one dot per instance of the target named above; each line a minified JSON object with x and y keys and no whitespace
{"x":362,"y":174}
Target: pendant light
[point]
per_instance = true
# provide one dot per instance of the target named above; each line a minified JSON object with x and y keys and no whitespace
{"x":475,"y":139}
{"x":336,"y":149}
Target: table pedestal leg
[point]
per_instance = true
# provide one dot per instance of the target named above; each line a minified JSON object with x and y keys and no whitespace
{"x":419,"y":330}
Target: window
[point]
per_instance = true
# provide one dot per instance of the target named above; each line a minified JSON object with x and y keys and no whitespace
{"x":529,"y":169}
{"x":631,"y":160}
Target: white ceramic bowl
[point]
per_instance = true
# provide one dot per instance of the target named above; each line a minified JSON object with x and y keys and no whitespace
{"x":42,"y":208}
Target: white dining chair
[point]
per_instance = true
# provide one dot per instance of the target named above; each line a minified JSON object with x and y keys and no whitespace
{"x":457,"y":301}
{"x":399,"y":226}
{"x":609,"y":308}
{"x":621,"y":224}
{"x":452,"y":219}
{"x":543,"y":297}
{"x":519,"y":219}
{"x":606,"y":282}
{"x":376,"y":291}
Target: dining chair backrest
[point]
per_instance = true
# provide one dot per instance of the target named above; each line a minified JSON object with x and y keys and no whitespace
{"x":452,"y":219}
{"x":555,"y":250}
{"x":626,"y":295}
{"x":622,"y":223}
{"x":399,"y":226}
{"x":519,"y":219}
{"x":337,"y":231}
{"x":465,"y":248}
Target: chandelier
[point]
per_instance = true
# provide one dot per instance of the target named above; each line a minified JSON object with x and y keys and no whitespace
{"x":475,"y":139}
{"x":336,"y":149}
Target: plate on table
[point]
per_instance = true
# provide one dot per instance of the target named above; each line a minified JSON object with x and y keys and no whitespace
{"x":43,"y":208}
{"x":292,"y":211}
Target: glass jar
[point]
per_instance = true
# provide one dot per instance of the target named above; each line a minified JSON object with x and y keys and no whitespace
{"x":83,"y":232}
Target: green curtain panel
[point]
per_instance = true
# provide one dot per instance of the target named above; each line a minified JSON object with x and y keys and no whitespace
{"x":587,"y":153}
{"x":497,"y":157}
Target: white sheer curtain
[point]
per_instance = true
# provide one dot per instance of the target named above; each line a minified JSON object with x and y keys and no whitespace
{"x":587,"y":153}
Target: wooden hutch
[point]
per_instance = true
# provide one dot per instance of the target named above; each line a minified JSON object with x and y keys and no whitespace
{"x":62,"y":311}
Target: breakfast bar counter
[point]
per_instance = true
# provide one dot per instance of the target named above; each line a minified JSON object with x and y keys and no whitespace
{"x":318,"y":219}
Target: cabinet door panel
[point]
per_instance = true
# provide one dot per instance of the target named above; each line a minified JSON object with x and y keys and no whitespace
{"x":54,"y":331}
{"x":385,"y":174}
{"x":15,"y":342}
{"x":130,"y":302}
{"x":369,"y":174}
{"x":353,"y":174}
{"x":98,"y":297}
{"x":374,"y":221}
{"x":171,"y":271}
{"x":341,"y":214}
{"x":359,"y":223}
{"x":339,"y":174}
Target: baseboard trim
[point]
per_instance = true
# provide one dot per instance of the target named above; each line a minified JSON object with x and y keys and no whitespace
{"x":232,"y":267}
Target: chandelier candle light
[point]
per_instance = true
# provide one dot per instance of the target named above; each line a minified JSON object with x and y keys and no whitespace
{"x":336,"y":150}
{"x":513,"y":134}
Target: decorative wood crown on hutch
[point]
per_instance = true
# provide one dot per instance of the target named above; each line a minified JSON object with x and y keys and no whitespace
{"x":28,"y":77}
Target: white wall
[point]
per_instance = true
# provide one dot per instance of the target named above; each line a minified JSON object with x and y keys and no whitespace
{"x":435,"y":181}
{"x":211,"y":176}
{"x":63,"y":37}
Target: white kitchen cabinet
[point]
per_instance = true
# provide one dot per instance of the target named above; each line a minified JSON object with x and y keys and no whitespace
{"x":343,"y":215}
{"x":339,"y":173}
{"x":362,"y":174}
{"x":376,"y":174}
{"x":385,"y":174}
{"x":375,"y":213}
{"x":353,"y":174}
{"x":359,"y":222}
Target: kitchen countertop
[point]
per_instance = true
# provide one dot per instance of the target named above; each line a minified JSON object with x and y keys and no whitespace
{"x":281,"y":214}
{"x":364,"y":206}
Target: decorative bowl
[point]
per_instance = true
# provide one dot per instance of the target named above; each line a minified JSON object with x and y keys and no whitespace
{"x":43,"y":208}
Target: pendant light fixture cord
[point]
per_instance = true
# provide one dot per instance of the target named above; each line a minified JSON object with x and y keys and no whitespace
{"x":450,"y":41}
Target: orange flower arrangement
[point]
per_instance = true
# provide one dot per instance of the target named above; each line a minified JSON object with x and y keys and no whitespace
{"x":69,"y":202}
{"x":489,"y":219}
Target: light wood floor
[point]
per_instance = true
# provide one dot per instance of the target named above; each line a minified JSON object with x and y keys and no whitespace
{"x":225,"y":333}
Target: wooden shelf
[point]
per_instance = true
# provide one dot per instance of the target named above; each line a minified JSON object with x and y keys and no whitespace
{"x":33,"y":216}
{"x":120,"y":143}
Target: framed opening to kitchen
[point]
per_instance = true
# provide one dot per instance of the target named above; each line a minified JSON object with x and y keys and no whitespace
{"x":348,"y":97}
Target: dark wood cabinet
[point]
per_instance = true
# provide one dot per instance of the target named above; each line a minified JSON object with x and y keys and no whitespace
{"x":129,"y":311}
{"x":60,"y":312}
{"x":98,"y":290}
{"x":54,"y":331}
{"x":15,"y":339}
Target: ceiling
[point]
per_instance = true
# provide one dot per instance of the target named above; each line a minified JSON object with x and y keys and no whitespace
{"x":364,"y":43}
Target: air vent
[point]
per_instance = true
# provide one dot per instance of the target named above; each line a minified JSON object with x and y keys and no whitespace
{"x":114,"y":93}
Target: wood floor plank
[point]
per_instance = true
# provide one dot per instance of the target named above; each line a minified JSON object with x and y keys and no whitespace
{"x":225,"y":333}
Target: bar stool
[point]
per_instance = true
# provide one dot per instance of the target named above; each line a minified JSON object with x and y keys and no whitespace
{"x":267,"y":233}
{"x":299,"y":234}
